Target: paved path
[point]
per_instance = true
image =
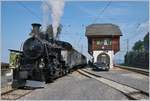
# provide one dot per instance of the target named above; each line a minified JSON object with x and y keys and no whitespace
{"x":75,"y":87}
{"x":129,"y":78}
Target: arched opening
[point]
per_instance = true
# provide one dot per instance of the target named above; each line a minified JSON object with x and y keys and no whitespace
{"x":103,"y":57}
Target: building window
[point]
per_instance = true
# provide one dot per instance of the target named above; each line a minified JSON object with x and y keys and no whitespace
{"x":98,"y":43}
{"x":101,"y":42}
{"x":109,"y":42}
{"x":106,"y":41}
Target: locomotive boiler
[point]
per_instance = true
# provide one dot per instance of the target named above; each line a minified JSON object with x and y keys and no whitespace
{"x":43,"y":59}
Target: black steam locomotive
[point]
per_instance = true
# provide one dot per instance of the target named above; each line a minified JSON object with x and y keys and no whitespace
{"x":43,"y":59}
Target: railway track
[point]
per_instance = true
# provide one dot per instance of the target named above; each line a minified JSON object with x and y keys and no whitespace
{"x":137,"y":70}
{"x":15,"y":94}
{"x":130,"y":92}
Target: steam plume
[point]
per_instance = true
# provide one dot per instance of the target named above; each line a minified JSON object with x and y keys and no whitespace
{"x":56,"y":7}
{"x":45,"y":15}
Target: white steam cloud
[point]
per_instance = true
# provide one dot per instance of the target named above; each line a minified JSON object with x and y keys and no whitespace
{"x":45,"y":15}
{"x":56,"y":8}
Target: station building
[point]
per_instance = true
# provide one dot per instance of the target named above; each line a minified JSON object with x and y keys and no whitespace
{"x":103,"y":42}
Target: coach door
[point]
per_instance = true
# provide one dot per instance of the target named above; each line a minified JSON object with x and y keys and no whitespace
{"x":103,"y":57}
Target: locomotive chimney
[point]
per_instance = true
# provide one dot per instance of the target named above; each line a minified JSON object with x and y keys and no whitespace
{"x":36,"y":29}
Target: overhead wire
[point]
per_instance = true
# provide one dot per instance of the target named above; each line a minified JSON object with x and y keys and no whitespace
{"x":103,"y":10}
{"x":30,"y":11}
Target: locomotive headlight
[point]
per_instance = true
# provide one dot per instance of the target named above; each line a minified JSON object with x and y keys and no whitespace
{"x":41,"y":64}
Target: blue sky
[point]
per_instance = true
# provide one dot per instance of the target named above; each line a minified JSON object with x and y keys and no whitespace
{"x":131,"y":17}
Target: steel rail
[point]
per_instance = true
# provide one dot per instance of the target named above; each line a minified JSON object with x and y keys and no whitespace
{"x":3,"y":93}
{"x":14,"y":95}
{"x":138,"y":70}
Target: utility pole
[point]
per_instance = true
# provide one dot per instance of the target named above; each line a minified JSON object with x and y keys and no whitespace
{"x":81,"y":47}
{"x":127,"y":45}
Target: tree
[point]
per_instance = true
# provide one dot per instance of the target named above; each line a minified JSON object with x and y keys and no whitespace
{"x":139,"y":57}
{"x":146,"y":42}
{"x":138,"y":46}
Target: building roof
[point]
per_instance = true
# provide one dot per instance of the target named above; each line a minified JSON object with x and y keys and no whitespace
{"x":4,"y":65}
{"x":102,"y":29}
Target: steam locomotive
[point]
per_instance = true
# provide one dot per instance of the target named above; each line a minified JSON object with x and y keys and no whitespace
{"x":43,"y":59}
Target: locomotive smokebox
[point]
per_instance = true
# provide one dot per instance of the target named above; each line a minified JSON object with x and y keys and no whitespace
{"x":36,"y":29}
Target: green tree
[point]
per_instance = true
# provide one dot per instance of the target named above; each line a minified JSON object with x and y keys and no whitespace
{"x":138,"y":46}
{"x":146,"y":42}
